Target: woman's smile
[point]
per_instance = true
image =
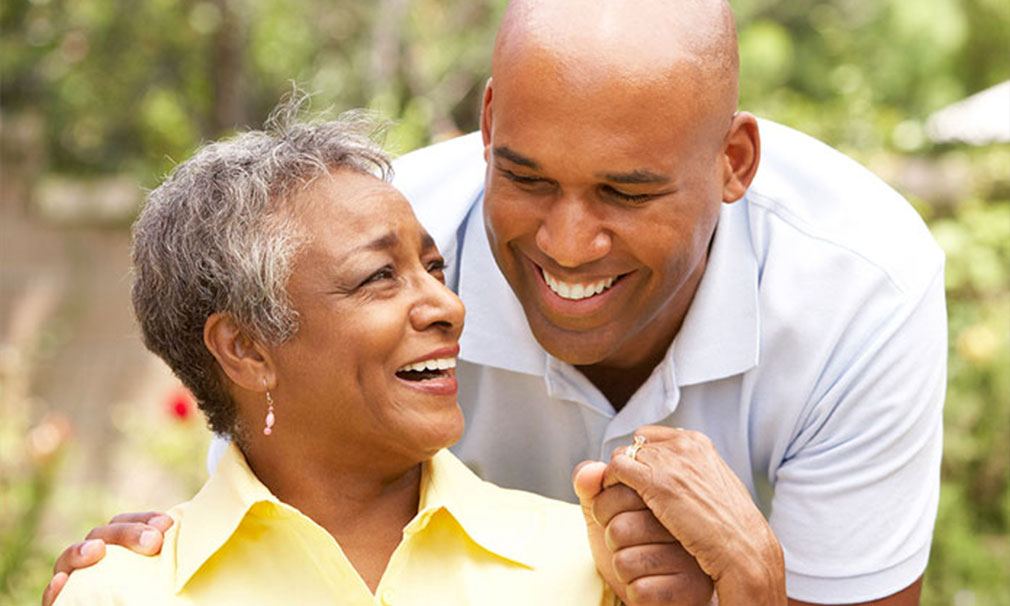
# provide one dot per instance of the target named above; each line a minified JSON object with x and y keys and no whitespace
{"x":435,"y":373}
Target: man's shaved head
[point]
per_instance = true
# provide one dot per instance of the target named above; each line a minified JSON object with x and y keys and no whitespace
{"x":686,"y":44}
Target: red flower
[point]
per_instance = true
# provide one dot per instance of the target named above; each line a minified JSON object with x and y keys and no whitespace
{"x":180,"y":405}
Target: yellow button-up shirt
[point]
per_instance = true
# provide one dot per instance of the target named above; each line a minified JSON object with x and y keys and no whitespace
{"x":470,"y":543}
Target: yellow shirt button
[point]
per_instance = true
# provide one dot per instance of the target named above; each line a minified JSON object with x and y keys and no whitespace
{"x":387,"y":596}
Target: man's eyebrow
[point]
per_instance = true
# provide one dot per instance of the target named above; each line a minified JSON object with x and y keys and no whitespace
{"x":515,"y":157}
{"x":635,"y":176}
{"x":427,"y":242}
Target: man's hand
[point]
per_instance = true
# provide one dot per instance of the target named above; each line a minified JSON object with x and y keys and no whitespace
{"x":634,"y":553}
{"x":139,"y":532}
{"x":700,"y":501}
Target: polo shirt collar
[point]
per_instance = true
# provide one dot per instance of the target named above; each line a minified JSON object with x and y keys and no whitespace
{"x":719,"y":337}
{"x":233,"y":491}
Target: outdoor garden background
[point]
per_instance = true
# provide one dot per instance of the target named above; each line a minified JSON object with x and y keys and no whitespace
{"x":99,"y":98}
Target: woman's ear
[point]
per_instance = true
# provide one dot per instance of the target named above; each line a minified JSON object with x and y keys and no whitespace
{"x":244,"y":361}
{"x":740,"y":155}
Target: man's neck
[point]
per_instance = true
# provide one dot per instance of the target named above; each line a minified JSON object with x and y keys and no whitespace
{"x":618,"y":384}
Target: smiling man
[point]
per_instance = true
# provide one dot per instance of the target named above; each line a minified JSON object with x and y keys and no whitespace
{"x":634,"y":251}
{"x":638,"y":258}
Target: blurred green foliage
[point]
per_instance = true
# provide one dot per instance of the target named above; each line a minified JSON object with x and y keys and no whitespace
{"x":131,"y":87}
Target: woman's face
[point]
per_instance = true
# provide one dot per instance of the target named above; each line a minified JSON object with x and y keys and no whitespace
{"x":371,"y":370}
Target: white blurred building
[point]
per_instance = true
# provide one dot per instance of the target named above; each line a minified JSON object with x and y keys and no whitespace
{"x":980,"y":119}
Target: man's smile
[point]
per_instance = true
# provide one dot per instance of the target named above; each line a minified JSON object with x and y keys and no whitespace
{"x":574,"y":291}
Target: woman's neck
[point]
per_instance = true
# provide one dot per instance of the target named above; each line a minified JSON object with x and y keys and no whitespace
{"x":363,"y":507}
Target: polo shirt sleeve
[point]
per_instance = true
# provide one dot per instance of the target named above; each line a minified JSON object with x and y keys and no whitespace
{"x":856,"y":493}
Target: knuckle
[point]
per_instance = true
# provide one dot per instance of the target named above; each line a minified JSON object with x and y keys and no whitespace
{"x":133,"y":517}
{"x":615,"y":452}
{"x":621,"y":529}
{"x":698,"y":441}
{"x":97,"y":532}
{"x":626,"y":565}
{"x":651,"y":591}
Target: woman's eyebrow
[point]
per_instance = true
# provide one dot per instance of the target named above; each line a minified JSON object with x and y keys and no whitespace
{"x":386,"y":241}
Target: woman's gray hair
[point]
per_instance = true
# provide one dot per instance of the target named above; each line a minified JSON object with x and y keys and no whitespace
{"x":216,"y":236}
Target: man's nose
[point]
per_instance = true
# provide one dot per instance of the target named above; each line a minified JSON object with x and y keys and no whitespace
{"x":571,"y":234}
{"x":437,"y":306}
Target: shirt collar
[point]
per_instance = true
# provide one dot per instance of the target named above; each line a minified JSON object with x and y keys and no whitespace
{"x":233,"y":491}
{"x":485,"y":512}
{"x":213,"y":515}
{"x":720,"y":334}
{"x":719,"y":337}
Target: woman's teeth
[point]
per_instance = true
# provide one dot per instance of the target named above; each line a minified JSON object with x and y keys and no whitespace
{"x":574,"y":292}
{"x":428,"y":369}
{"x":432,"y":364}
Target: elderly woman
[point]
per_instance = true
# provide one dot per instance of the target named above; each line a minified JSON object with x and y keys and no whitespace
{"x":297,"y":296}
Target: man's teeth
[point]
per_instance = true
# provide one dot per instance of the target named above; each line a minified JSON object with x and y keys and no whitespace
{"x":574,"y":292}
{"x":432,"y":364}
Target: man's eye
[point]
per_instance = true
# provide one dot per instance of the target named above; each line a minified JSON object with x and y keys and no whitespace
{"x":522,"y":179}
{"x":632,"y":198}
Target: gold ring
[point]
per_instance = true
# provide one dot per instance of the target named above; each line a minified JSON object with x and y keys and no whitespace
{"x":632,"y":451}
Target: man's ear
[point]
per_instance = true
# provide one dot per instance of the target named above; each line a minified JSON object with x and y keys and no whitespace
{"x":243,"y":360}
{"x":741,"y":154}
{"x":486,"y":117}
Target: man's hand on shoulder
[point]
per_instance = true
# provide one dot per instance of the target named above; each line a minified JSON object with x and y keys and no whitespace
{"x":139,"y":532}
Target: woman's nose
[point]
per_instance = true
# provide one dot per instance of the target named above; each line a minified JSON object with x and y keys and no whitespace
{"x":571,"y":235}
{"x":437,"y":306}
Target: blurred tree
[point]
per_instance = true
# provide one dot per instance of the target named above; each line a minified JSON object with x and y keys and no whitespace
{"x":109,"y":86}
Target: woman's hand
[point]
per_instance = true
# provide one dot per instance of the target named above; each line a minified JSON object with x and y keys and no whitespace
{"x":640,"y":560}
{"x":696,"y":497}
{"x":139,"y":532}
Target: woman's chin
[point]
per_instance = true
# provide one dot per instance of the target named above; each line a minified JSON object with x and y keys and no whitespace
{"x":451,"y":429}
{"x":443,"y":432}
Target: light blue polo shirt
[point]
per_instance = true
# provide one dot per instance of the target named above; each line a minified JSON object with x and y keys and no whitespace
{"x":813,"y":355}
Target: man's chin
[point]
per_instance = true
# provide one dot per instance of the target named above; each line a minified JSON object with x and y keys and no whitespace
{"x":576,"y":347}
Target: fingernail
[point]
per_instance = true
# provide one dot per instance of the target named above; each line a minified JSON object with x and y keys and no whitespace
{"x":149,"y":539}
{"x":159,"y":521}
{"x":90,"y":548}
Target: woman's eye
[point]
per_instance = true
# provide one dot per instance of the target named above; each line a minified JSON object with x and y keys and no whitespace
{"x":436,"y":265}
{"x":386,"y":273}
{"x":437,"y":268}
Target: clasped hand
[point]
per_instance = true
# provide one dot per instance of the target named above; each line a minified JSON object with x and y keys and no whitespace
{"x":674,"y":523}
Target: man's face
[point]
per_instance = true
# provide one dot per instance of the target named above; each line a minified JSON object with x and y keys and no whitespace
{"x":602,"y":197}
